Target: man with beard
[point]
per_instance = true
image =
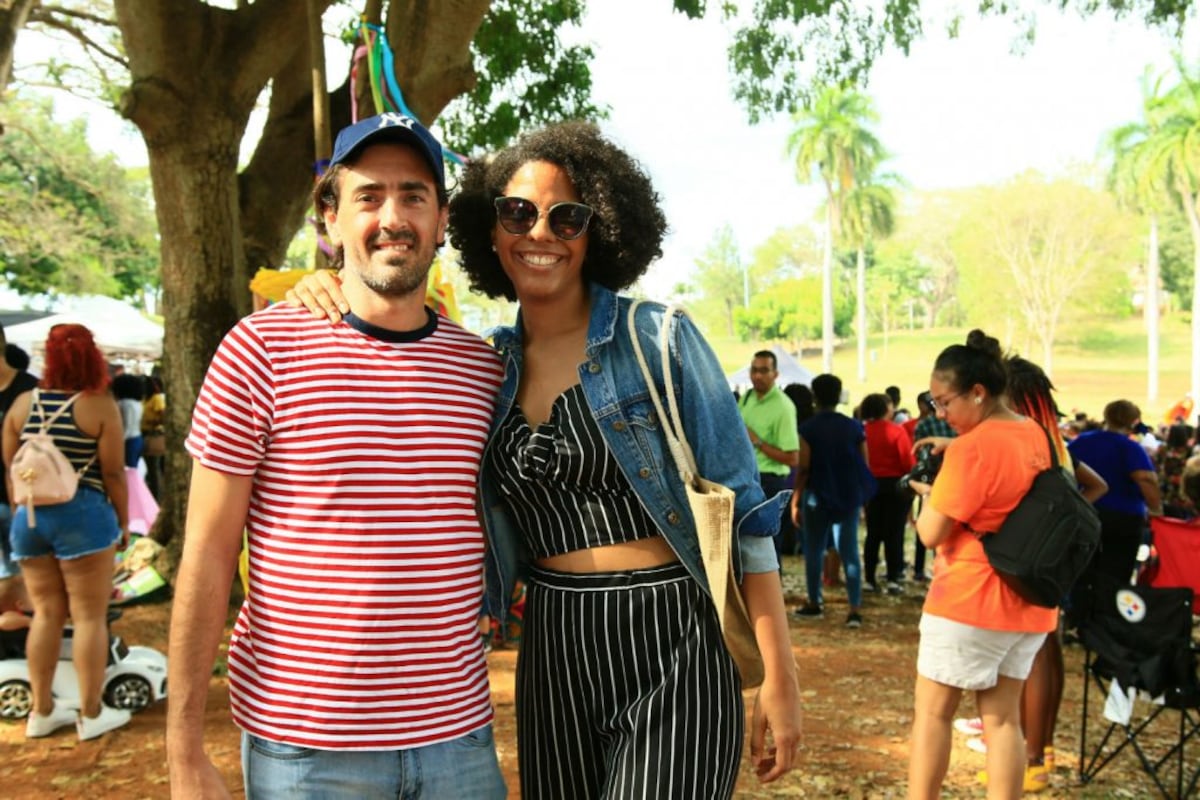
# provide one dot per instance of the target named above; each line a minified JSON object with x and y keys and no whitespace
{"x":349,"y":454}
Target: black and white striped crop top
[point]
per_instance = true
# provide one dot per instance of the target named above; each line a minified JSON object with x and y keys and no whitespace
{"x":562,"y":485}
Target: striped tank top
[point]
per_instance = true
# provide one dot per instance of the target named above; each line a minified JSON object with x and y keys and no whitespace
{"x":77,"y":446}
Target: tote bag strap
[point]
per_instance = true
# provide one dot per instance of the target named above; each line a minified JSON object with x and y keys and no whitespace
{"x":672,"y":429}
{"x":668,"y":379}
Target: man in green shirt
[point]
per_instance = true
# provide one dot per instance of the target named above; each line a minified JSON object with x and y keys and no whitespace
{"x":770,"y":418}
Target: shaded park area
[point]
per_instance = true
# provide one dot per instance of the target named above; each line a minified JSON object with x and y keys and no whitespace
{"x":857,"y":688}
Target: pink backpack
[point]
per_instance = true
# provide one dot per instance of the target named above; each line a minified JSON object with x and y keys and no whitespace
{"x":41,"y":474}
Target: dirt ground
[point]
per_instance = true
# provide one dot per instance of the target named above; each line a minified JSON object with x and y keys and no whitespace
{"x":857,"y":687}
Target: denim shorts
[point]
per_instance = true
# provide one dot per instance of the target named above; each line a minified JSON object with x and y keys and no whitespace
{"x":81,"y":526}
{"x":460,"y":769}
{"x":972,"y":658}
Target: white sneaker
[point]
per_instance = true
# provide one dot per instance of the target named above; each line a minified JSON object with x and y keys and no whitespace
{"x":38,"y":725}
{"x":107,"y":720}
{"x":971,"y":726}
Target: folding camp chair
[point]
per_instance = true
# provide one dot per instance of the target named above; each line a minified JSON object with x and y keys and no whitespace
{"x":1177,"y":548}
{"x":1140,"y":637}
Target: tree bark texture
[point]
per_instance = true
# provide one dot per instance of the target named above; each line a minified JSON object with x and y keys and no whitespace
{"x":196,"y":74}
{"x":13,"y":15}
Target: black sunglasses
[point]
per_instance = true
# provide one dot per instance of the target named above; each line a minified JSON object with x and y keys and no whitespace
{"x":566,"y":220}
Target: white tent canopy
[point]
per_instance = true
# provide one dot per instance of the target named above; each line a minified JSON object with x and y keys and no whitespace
{"x":121,"y":330}
{"x":790,"y":371}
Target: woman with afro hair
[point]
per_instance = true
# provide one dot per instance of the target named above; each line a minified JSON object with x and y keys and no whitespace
{"x":624,"y":684}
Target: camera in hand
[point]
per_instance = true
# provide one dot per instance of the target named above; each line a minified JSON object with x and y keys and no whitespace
{"x":925,"y":470}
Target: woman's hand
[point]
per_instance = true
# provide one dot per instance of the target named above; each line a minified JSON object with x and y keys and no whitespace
{"x":775,"y":727}
{"x":920,"y":488}
{"x":938,"y":443}
{"x":320,"y":293}
{"x":797,"y":513}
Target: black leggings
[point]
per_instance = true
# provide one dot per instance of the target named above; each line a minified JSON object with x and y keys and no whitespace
{"x":625,"y":689}
{"x":887,"y":513}
{"x":1120,"y":537}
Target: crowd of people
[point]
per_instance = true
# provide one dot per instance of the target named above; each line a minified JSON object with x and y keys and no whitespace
{"x":539,"y":459}
{"x":955,"y":469}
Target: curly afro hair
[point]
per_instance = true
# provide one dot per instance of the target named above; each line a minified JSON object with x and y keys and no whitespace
{"x":627,"y":227}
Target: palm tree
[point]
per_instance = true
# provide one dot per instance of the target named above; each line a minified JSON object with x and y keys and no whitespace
{"x":832,"y":143}
{"x":1138,"y":184}
{"x":869,"y":213}
{"x":1173,"y":152}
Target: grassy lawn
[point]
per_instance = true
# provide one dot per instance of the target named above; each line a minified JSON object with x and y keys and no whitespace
{"x":1095,"y":362}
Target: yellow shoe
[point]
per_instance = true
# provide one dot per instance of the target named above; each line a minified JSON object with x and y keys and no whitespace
{"x":1036,"y":778}
{"x":1048,"y":759}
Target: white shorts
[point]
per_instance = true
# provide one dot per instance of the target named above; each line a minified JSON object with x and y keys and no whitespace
{"x":972,"y":658}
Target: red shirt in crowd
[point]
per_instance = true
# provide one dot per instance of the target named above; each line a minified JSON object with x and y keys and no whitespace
{"x":889,"y":449}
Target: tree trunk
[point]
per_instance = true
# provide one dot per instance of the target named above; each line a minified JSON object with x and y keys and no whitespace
{"x":860,"y":324}
{"x":1150,"y":308}
{"x":275,"y":186}
{"x":432,"y":41}
{"x":13,"y":15}
{"x":196,"y":73}
{"x":827,"y":293}
{"x":1190,"y":209}
{"x":322,"y":137}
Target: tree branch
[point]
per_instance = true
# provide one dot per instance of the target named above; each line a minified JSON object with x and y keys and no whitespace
{"x":43,"y":13}
{"x":77,"y":34}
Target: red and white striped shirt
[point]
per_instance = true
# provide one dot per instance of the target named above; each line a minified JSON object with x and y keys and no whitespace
{"x":360,"y":630}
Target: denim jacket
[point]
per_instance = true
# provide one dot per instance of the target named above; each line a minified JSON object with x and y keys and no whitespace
{"x":617,"y":396}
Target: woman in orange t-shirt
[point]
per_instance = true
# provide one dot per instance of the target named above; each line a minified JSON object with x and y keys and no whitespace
{"x":976,"y":633}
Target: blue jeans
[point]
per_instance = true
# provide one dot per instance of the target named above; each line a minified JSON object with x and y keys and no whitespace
{"x":819,"y":525}
{"x":461,"y":768}
{"x":133,"y":450}
{"x":772,"y":485}
{"x":83,"y":525}
{"x":8,"y":567}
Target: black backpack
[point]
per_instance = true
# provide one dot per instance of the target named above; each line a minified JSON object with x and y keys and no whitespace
{"x":1047,"y":541}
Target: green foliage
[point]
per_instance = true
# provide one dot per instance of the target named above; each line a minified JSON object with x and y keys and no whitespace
{"x":790,"y":309}
{"x":787,"y":253}
{"x":833,"y":140}
{"x":1175,"y":248}
{"x":785,"y":51}
{"x":1038,"y":249}
{"x":527,"y":78}
{"x":70,"y":221}
{"x":719,"y":281}
{"x":898,"y":283}
{"x":1098,"y":339}
{"x":838,"y":40}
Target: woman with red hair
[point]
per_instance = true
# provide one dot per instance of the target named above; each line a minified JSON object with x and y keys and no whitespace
{"x":67,"y":558}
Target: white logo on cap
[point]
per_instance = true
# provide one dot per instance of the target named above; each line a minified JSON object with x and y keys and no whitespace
{"x":390,"y":118}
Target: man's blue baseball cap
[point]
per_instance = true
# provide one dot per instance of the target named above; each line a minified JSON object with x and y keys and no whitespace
{"x":390,"y":127}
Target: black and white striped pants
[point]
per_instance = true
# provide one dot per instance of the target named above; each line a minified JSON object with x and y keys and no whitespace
{"x":625,"y":689}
